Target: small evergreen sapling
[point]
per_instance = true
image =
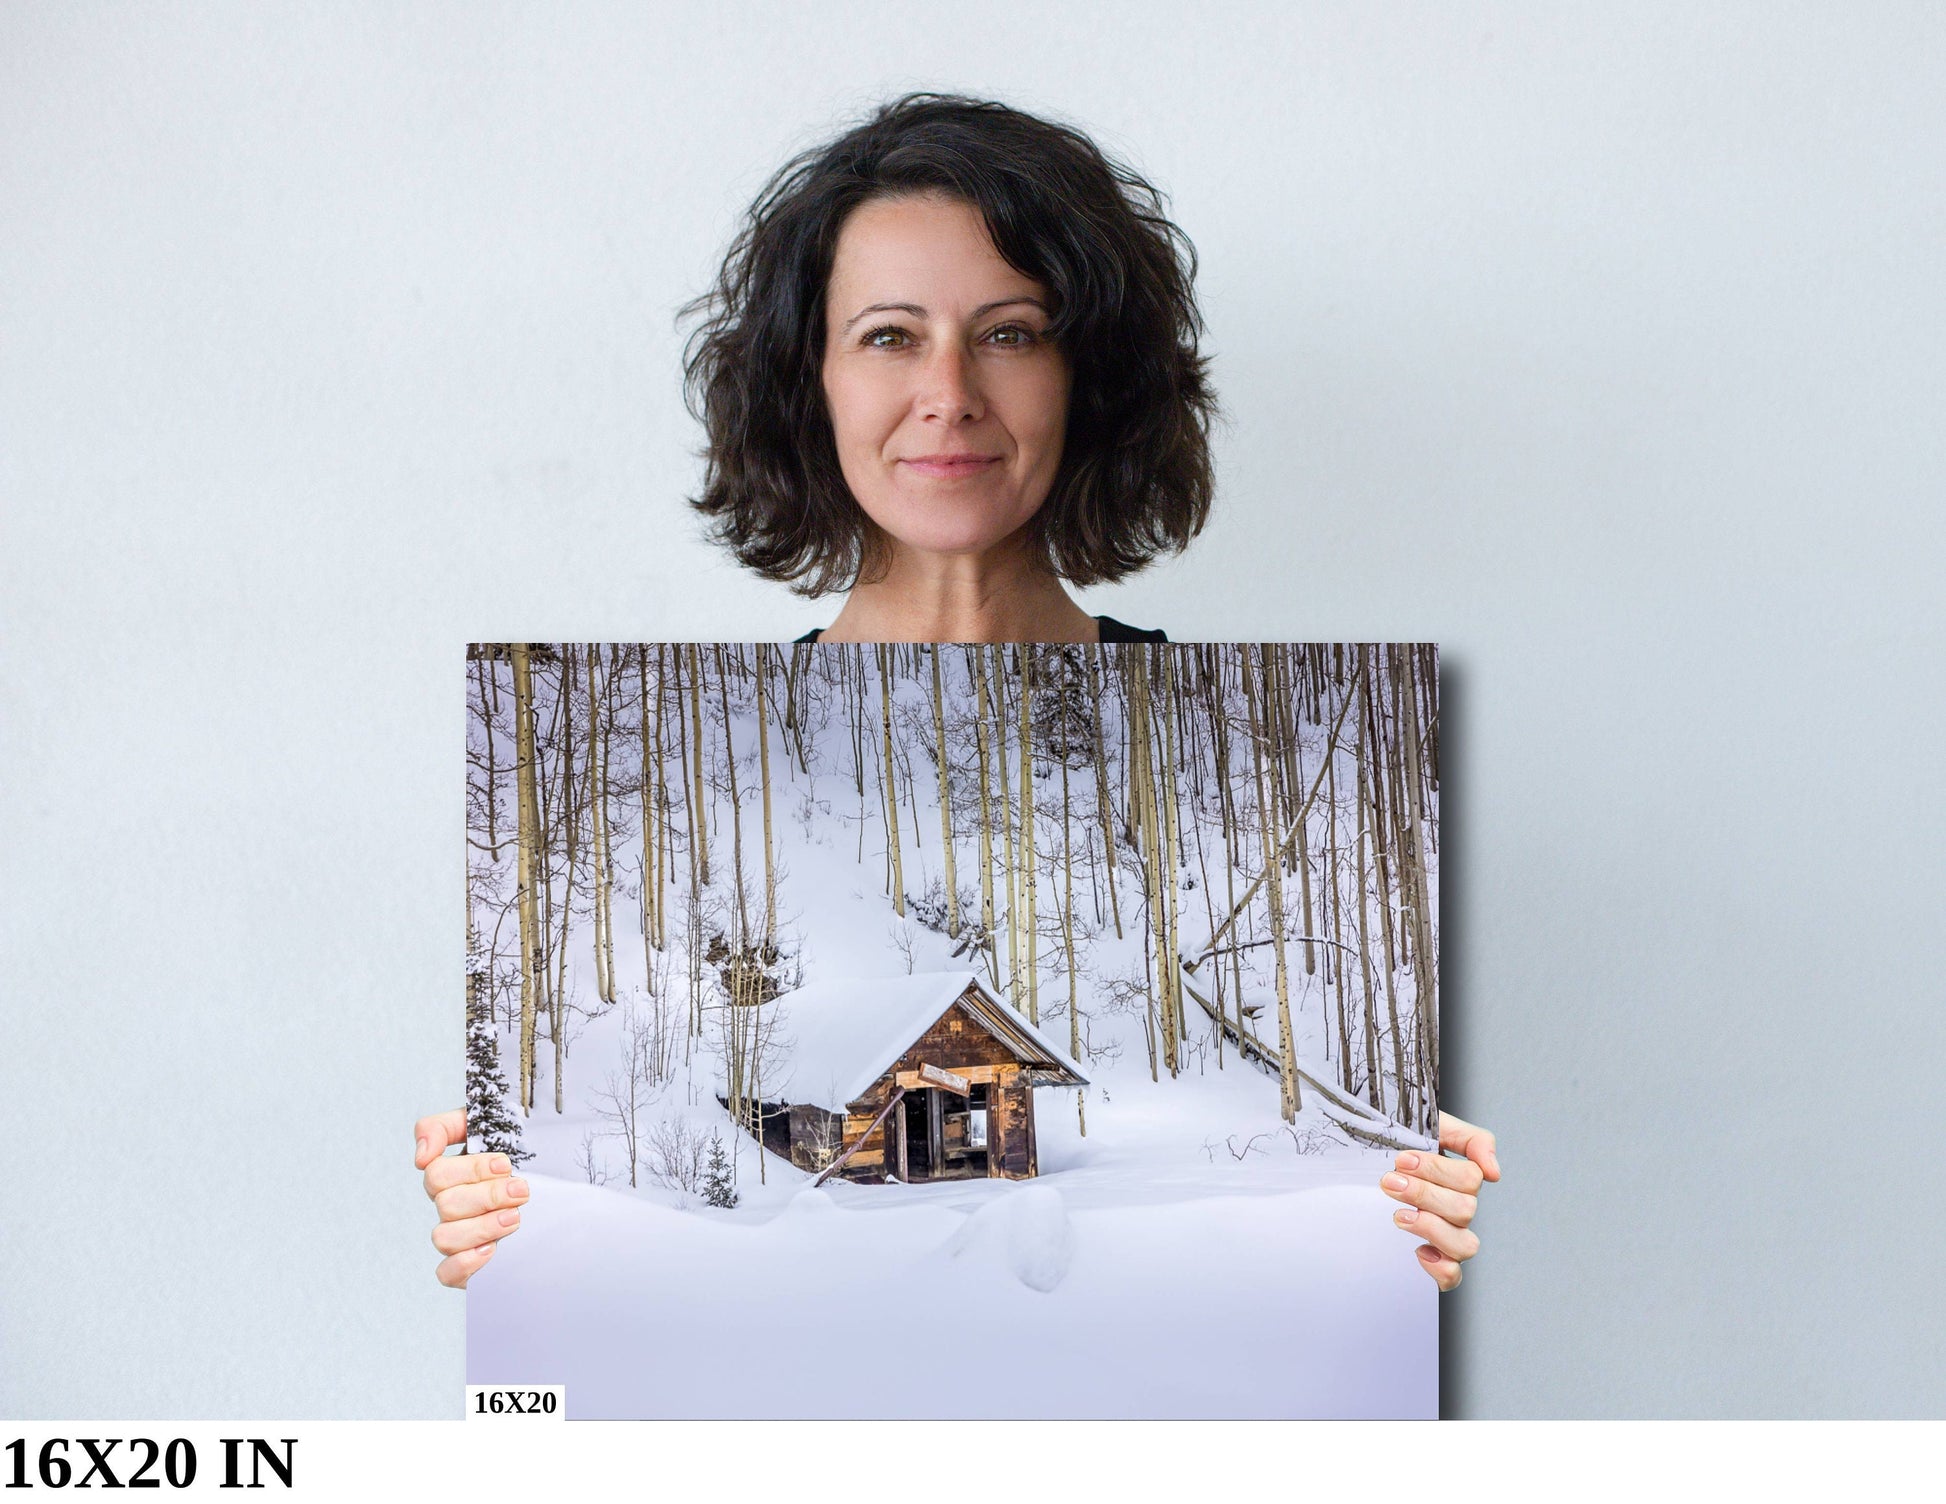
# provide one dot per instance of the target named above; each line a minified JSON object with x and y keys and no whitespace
{"x":490,"y":1127}
{"x":717,"y":1190}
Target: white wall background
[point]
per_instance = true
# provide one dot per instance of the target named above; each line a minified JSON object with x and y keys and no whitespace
{"x":1602,"y":345}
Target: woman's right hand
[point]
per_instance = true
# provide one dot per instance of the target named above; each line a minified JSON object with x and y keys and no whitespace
{"x":478,"y":1196}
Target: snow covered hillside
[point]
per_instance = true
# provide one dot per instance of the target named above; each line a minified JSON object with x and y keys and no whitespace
{"x":1192,"y":1254}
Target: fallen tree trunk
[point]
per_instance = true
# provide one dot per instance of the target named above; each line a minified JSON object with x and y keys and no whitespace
{"x":1379,"y":1131}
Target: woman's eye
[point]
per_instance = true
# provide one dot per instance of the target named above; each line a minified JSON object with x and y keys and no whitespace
{"x":1012,"y":336}
{"x":889,"y":337}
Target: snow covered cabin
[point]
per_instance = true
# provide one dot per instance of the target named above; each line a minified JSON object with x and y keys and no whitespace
{"x":956,"y":1065}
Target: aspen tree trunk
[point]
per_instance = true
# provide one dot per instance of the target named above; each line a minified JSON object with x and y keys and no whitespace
{"x":1007,"y":823}
{"x":607,"y":829}
{"x":493,"y":716}
{"x":548,"y":801}
{"x":528,"y":838}
{"x":757,"y":1080}
{"x":1364,"y":938}
{"x":1273,"y":742}
{"x":736,"y":817}
{"x":1304,"y":830}
{"x":1395,"y":795}
{"x":945,"y":796}
{"x":1227,"y":812}
{"x":693,"y":894}
{"x":1029,"y":872}
{"x":1209,"y":912}
{"x":891,"y":789}
{"x":855,"y":718}
{"x":1381,"y":858}
{"x":1209,"y":660}
{"x":977,"y":677}
{"x":1425,"y":964}
{"x":1429,"y":680}
{"x":763,"y":756}
{"x":1334,"y":882}
{"x":803,"y":655}
{"x":493,"y":795}
{"x":1172,"y":841}
{"x":1142,"y":795}
{"x":604,"y":983}
{"x":1291,"y":782}
{"x":1273,"y":868}
{"x":905,"y":766}
{"x":1401,"y":1095}
{"x":699,"y":831}
{"x":665,"y":809}
{"x":1104,"y":813}
{"x":1067,"y":939}
{"x":547,"y":809}
{"x":651,"y":859}
{"x":557,"y":1006}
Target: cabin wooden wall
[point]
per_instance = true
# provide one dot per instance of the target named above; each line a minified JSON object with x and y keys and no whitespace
{"x":810,"y":1129}
{"x":868,"y":1160}
{"x":1010,"y":1143}
{"x":955,"y":1043}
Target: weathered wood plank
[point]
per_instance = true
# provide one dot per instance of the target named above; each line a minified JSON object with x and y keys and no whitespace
{"x":975,"y":1075}
{"x":1012,"y":1109}
{"x":934,"y":1075}
{"x":898,"y":1096}
{"x":933,"y":1078}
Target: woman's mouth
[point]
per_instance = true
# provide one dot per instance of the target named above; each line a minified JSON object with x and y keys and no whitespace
{"x":951,"y":466}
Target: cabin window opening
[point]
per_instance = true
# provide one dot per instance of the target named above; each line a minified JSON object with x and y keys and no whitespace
{"x":963,"y":1123}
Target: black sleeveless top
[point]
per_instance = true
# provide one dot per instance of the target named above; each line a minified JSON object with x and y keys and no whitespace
{"x":1111,"y":631}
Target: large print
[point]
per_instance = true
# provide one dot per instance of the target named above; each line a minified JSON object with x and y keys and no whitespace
{"x":954,"y":1030}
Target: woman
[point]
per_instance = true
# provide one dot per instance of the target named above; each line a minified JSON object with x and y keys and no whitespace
{"x":950,"y":366}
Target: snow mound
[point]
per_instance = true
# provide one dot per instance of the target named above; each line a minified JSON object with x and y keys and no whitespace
{"x":1028,"y":1231}
{"x":813,"y":1202}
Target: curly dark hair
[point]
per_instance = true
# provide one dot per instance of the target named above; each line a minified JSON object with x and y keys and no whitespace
{"x":1135,"y":476}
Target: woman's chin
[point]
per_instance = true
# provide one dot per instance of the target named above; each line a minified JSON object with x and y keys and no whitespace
{"x":950,"y":536}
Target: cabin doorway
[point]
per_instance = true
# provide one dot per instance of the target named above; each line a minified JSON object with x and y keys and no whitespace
{"x":945,"y":1135}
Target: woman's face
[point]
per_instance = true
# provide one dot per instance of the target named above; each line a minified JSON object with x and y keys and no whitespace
{"x":947,"y":401}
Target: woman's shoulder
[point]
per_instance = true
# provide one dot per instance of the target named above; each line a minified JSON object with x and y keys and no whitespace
{"x":1111,"y":631}
{"x":1121,"y":631}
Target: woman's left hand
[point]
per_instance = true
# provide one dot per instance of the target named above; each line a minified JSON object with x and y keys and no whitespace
{"x":1441,"y":1194}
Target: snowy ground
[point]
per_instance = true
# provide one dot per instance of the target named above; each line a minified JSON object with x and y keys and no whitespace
{"x":1146,"y":1273}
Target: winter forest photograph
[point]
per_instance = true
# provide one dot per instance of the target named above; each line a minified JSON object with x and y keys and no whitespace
{"x":866,"y":1017}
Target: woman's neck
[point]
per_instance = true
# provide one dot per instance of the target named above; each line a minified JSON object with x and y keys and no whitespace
{"x":999,"y":597}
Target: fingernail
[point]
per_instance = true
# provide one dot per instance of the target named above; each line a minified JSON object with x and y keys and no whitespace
{"x":1406,"y":1214}
{"x":1429,"y":1253}
{"x":422,"y":1150}
{"x":501,"y":1166}
{"x":1408,"y":1161}
{"x":1494,"y":1160}
{"x":510,"y":1219}
{"x":485,"y":1249}
{"x":1394,"y":1182}
{"x":516,"y":1188}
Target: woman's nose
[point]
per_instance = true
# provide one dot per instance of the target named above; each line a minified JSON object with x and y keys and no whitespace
{"x":949,"y":385}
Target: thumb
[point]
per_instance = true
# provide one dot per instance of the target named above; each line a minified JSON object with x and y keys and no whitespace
{"x":1474,"y":1142}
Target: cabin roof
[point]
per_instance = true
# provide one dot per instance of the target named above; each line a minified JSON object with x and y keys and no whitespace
{"x":845,"y":1032}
